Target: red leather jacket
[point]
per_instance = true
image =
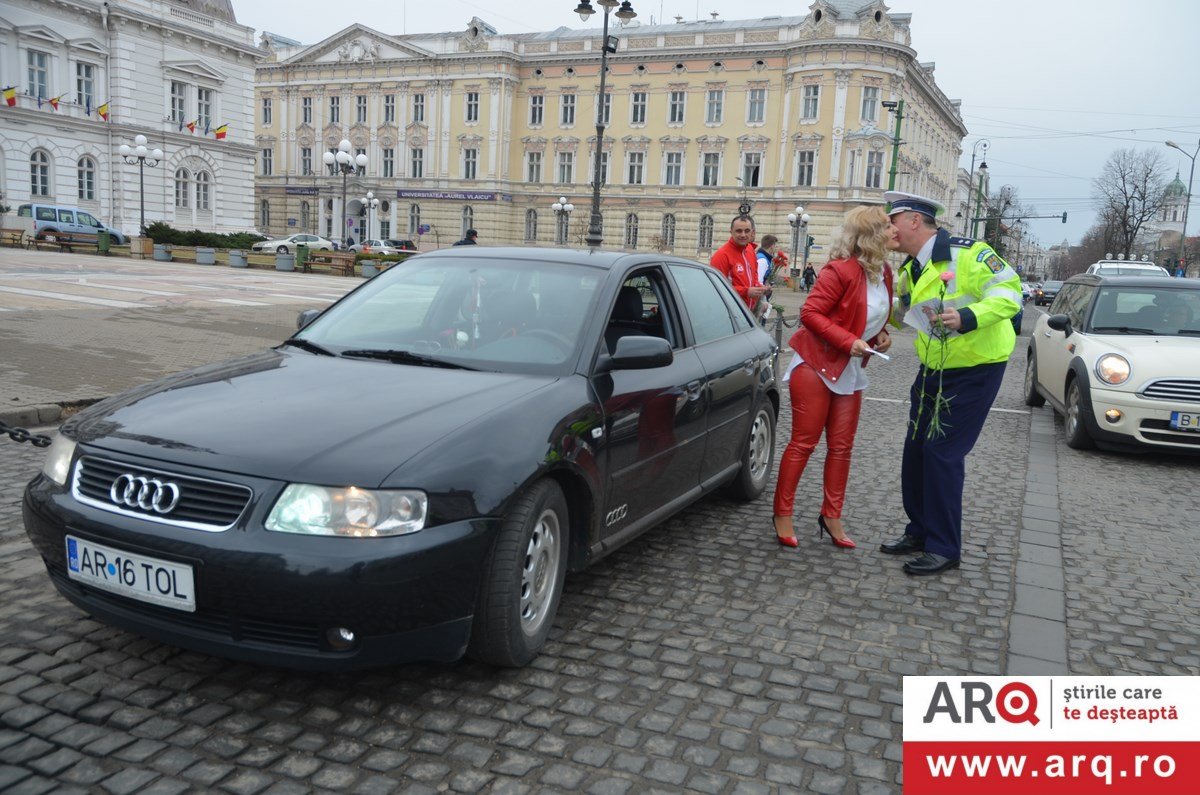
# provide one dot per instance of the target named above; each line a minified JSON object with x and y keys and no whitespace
{"x":835,"y":315}
{"x":740,"y":267}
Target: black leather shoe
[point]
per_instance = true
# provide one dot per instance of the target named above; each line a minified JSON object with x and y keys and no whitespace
{"x":929,"y":563}
{"x":904,"y":545}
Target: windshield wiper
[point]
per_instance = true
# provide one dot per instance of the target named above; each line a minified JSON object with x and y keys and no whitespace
{"x":311,"y":347}
{"x":1189,"y":332}
{"x":1123,"y":329}
{"x":406,"y":357}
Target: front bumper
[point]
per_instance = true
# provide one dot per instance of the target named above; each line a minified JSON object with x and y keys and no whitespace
{"x":272,"y":598}
{"x":1145,"y":422}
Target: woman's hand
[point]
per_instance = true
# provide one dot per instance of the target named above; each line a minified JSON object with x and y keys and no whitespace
{"x":883,"y":341}
{"x":859,"y":348}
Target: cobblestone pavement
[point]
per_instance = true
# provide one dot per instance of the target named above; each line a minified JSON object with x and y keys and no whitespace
{"x":702,"y":657}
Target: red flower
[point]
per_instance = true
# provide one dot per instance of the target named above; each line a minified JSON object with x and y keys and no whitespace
{"x":781,"y":259}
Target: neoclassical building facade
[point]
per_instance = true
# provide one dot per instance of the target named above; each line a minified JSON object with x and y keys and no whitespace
{"x":483,"y":130}
{"x":153,"y":67}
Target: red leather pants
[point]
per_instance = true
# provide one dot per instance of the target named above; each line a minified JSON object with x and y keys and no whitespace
{"x":815,"y":408}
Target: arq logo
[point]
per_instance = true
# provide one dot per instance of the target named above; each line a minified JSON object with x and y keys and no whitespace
{"x":1016,"y":702}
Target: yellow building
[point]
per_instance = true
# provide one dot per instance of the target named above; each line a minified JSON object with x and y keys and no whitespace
{"x":482,"y":130}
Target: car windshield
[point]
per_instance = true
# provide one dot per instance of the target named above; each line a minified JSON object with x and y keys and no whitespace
{"x":1146,"y":310}
{"x":1051,"y":285}
{"x":506,"y":315}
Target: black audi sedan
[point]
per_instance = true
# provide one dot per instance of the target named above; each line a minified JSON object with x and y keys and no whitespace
{"x":413,"y":474}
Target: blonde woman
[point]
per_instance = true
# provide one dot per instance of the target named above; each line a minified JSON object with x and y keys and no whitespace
{"x":842,"y":321}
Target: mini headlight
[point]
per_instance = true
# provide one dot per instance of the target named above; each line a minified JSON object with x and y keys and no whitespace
{"x":57,"y":466}
{"x":1113,"y":369}
{"x":350,"y":512}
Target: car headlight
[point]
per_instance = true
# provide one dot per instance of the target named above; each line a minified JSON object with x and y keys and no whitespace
{"x":350,"y":512}
{"x":1112,"y":368}
{"x":58,"y":459}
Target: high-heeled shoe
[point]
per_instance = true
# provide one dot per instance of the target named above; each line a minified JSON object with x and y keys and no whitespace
{"x":844,"y":543}
{"x":787,"y":541}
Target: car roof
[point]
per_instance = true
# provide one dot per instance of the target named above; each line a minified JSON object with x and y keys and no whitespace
{"x":1135,"y":281}
{"x":594,"y":257}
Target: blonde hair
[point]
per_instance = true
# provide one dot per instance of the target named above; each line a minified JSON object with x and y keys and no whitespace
{"x":865,"y":235}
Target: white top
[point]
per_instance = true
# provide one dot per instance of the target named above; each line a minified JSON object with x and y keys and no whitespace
{"x":854,"y":377}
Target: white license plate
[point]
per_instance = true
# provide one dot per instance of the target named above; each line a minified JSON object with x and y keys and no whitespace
{"x":129,"y":574}
{"x":1182,"y":421}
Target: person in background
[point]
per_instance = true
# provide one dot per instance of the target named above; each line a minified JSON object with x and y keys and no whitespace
{"x":808,"y":277}
{"x":766,"y":256}
{"x":736,"y":261}
{"x":842,"y":323}
{"x":468,"y":238}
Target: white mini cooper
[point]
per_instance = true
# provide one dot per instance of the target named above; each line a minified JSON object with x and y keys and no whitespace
{"x":1119,"y":358}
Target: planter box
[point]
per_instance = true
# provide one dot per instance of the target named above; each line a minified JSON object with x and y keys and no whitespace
{"x":206,"y":256}
{"x":370,"y":267}
{"x":161,"y":252}
{"x":237,"y":259}
{"x":141,"y":247}
{"x":285,"y":262}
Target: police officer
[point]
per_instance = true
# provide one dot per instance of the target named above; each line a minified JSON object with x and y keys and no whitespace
{"x":960,"y":296}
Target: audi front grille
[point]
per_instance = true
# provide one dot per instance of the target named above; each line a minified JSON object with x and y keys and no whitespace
{"x":1183,"y":389}
{"x":132,"y":490}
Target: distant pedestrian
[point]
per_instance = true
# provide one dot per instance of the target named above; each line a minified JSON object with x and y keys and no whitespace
{"x":809,"y":277}
{"x":468,"y":238}
{"x":737,"y":263}
{"x":766,"y":254}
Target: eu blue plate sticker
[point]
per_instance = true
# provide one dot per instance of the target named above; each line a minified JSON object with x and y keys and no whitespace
{"x":72,"y":555}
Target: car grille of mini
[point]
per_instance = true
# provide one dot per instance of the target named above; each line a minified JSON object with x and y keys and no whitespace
{"x":203,"y":504}
{"x":1185,"y":389}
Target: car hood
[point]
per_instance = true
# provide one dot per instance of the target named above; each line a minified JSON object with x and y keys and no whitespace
{"x":1151,"y":357}
{"x":298,"y":417}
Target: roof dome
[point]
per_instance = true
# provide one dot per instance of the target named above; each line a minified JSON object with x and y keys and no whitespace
{"x":219,"y":9}
{"x":1176,"y":188}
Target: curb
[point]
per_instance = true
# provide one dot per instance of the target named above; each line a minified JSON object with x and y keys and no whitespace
{"x":43,"y":414}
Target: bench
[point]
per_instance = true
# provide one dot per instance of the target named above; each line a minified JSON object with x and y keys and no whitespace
{"x":66,"y":241}
{"x":340,"y":261}
{"x":12,"y":237}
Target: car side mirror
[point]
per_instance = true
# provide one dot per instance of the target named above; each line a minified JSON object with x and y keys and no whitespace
{"x":306,"y":317}
{"x":1060,"y":323}
{"x":638,"y":353}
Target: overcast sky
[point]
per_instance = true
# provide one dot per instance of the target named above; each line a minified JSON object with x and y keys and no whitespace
{"x":1055,"y":86}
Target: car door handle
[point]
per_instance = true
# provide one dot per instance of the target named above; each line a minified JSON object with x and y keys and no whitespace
{"x":693,"y":389}
{"x":748,"y":365}
{"x":1046,"y":333}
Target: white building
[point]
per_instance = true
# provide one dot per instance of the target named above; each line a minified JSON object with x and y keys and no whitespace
{"x":158,"y":65}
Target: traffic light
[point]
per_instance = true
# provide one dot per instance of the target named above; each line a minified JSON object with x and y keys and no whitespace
{"x":1064,"y":217}
{"x":810,"y":242}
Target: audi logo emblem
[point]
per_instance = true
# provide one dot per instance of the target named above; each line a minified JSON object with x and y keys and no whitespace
{"x":148,"y":494}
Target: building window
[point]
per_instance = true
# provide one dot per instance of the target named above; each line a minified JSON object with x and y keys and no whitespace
{"x":86,"y":179}
{"x":751,"y":169}
{"x":203,"y":192}
{"x":673,"y":175}
{"x":85,"y":85}
{"x":537,"y":108}
{"x":38,"y":71}
{"x":531,"y":226}
{"x":266,"y":111}
{"x":706,"y":231}
{"x":306,"y":110}
{"x":562,"y":228}
{"x":178,"y":101}
{"x":389,"y":109}
{"x":870,"y":104}
{"x":470,"y":163}
{"x":414,"y":219}
{"x":631,"y":230}
{"x":335,"y":110}
{"x":182,"y":187}
{"x":533,"y":167}
{"x":568,"y":110}
{"x":306,"y":160}
{"x":39,"y":174}
{"x":637,"y":108}
{"x":468,"y":219}
{"x":419,"y":107}
{"x":264,"y":214}
{"x":675,"y":107}
{"x":566,"y":168}
{"x":305,"y":215}
{"x":807,"y":166}
{"x":874,"y":169}
{"x":637,"y":167}
{"x":204,"y":107}
{"x":267,"y":164}
{"x":710,"y":175}
{"x":812,"y":96}
{"x":389,"y":162}
{"x":715,"y":107}
{"x":756,"y":106}
{"x":472,"y":107}
{"x":668,"y":231}
{"x":604,"y":168}
{"x":606,"y":109}
{"x":417,"y":164}
{"x":360,"y":109}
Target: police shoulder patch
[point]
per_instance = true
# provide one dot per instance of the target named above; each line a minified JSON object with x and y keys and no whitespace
{"x":995,"y":263}
{"x":964,"y":242}
{"x":984,"y":253}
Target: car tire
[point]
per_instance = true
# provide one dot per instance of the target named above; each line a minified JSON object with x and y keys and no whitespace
{"x":281,"y":250}
{"x":1032,"y":396}
{"x":1074,"y":424}
{"x":751,"y":479}
{"x":523,"y":580}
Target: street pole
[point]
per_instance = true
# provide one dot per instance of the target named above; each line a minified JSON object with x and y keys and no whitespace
{"x":980,"y":197}
{"x":142,"y":156}
{"x":899,"y":107}
{"x":1187,"y":204}
{"x":971,"y":178}
{"x":799,"y":223}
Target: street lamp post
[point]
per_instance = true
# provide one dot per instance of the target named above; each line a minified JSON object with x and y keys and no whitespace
{"x":799,"y":223}
{"x":1191,"y":173}
{"x":347,"y":164}
{"x":898,"y":106}
{"x":562,"y":219}
{"x":595,"y":233}
{"x":981,"y":195}
{"x":370,"y":204}
{"x":981,"y":144}
{"x":140,"y":156}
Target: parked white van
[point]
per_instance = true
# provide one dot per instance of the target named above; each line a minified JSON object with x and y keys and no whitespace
{"x":1125,"y":267}
{"x":48,"y":219}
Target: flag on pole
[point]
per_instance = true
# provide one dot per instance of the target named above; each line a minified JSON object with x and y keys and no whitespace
{"x":10,"y":96}
{"x":221,"y":131}
{"x":87,"y":105}
{"x":191,"y":125}
{"x":102,"y":111}
{"x":54,"y":102}
{"x":206,"y":128}
{"x":39,"y":101}
{"x":180,"y":124}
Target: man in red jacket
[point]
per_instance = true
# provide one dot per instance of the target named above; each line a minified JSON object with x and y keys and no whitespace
{"x":736,"y":260}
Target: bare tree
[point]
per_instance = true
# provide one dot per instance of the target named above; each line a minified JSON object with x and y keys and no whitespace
{"x":1129,"y":194}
